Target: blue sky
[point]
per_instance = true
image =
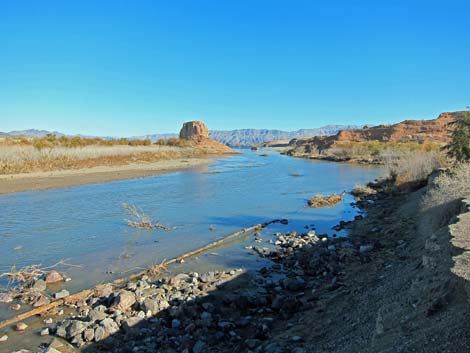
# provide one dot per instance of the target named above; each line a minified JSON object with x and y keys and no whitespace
{"x":113,"y":67}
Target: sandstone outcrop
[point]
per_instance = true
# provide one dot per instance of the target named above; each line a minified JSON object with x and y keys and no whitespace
{"x":194,"y":130}
{"x":198,"y":133}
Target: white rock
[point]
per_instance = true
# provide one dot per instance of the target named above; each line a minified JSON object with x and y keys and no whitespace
{"x":21,"y":326}
{"x":110,"y":325}
{"x":5,"y":298}
{"x":62,"y":294}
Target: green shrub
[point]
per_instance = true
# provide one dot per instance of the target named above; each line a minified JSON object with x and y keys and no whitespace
{"x":459,"y":148}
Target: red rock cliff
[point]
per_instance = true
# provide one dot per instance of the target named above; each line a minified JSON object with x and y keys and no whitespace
{"x":437,"y":131}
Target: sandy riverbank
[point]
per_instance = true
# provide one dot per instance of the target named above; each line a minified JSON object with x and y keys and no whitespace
{"x":65,"y":178}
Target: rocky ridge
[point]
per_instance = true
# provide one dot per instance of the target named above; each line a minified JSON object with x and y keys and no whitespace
{"x":261,"y":136}
{"x":421,"y":131}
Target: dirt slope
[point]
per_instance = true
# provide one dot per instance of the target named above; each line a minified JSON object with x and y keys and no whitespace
{"x":411,"y":294}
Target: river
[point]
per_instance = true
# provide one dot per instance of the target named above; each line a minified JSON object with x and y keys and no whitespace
{"x":86,"y":226}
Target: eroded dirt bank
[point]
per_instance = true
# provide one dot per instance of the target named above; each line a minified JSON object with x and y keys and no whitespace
{"x":395,"y":285}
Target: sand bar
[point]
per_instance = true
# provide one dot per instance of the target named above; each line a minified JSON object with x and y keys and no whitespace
{"x":63,"y":178}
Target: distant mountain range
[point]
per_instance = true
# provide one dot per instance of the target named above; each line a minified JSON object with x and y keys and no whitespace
{"x":44,"y":133}
{"x":231,"y":137}
{"x":260,"y":136}
{"x":30,"y":133}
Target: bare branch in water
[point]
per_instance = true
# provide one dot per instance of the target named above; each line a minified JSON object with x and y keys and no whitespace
{"x":26,"y":276}
{"x":141,"y":220}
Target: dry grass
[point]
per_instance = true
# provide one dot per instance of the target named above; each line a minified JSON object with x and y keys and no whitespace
{"x":441,"y":201}
{"x":51,"y":141}
{"x":140,"y":220}
{"x":411,"y":166}
{"x":362,"y":190}
{"x":319,"y":201}
{"x":375,"y":147}
{"x":375,"y":151}
{"x":27,"y":158}
{"x":174,"y":141}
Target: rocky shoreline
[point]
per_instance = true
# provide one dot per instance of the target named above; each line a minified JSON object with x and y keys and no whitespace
{"x":182,"y":314}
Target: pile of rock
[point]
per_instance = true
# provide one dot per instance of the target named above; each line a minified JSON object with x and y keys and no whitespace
{"x":168,"y":305}
{"x":185,"y":313}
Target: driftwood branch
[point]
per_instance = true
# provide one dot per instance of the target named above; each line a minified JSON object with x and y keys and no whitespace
{"x":141,"y":220}
{"x":25,"y":277}
{"x":155,"y":270}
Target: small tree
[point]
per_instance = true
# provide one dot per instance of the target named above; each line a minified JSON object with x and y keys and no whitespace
{"x":459,"y":148}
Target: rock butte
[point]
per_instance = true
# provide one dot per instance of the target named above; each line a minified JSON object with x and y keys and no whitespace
{"x":194,"y":130}
{"x":198,"y":133}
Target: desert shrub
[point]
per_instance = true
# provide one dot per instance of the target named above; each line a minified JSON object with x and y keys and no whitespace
{"x":459,"y":148}
{"x":76,"y":142}
{"x":377,"y":146}
{"x":411,"y":166}
{"x":340,"y":153}
{"x":362,"y":190}
{"x":173,"y":141}
{"x":51,"y":138}
{"x":122,"y":141}
{"x":441,"y":201}
{"x":145,"y":142}
{"x":24,"y":141}
{"x":375,"y":150}
{"x":42,"y":144}
{"x":319,"y":201}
